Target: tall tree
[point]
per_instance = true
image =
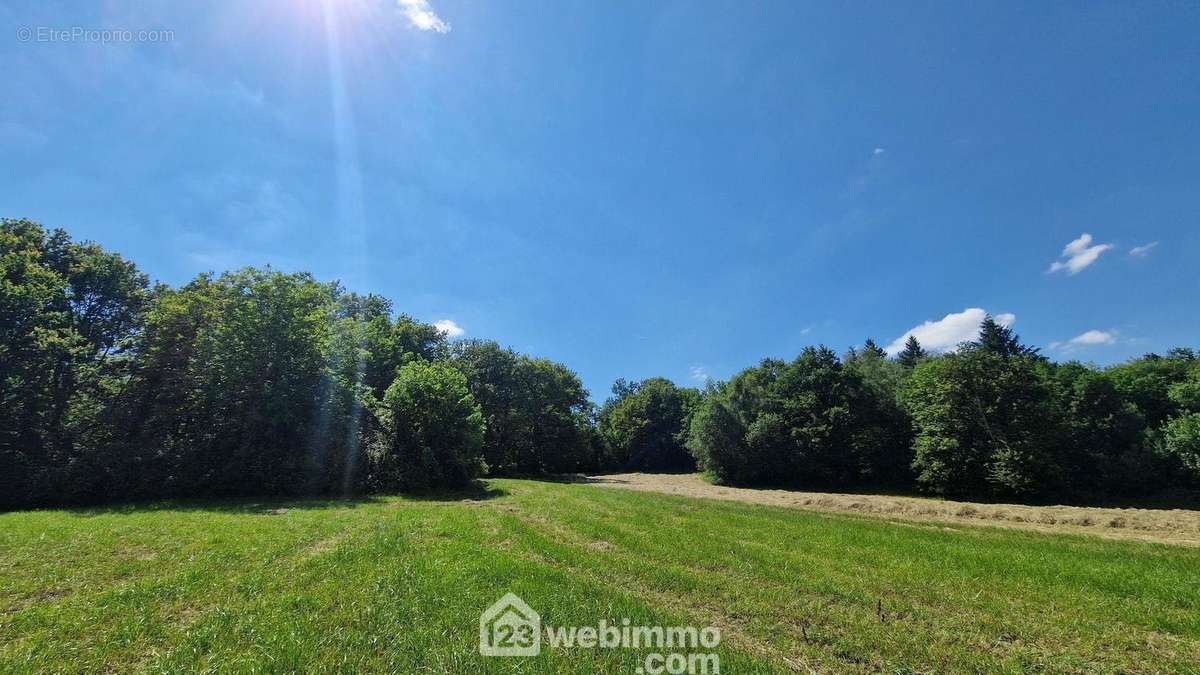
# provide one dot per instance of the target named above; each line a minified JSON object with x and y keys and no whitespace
{"x":811,"y":421}
{"x":248,"y":387}
{"x":912,"y":354}
{"x":1000,"y":339}
{"x":536,"y":411}
{"x":69,"y":313}
{"x":644,"y":425}
{"x":986,"y":426}
{"x":871,"y":347}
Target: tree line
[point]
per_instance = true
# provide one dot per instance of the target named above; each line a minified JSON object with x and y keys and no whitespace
{"x":260,"y":382}
{"x":994,"y":419}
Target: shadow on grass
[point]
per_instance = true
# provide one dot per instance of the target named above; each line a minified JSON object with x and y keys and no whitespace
{"x":584,"y":478}
{"x":476,"y":492}
{"x":274,"y":506}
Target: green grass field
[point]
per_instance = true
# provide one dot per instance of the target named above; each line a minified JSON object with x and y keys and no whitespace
{"x":397,"y":584}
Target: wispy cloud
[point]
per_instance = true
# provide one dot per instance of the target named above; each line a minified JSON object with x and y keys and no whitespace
{"x":879,"y":151}
{"x":946,"y":333}
{"x":1087,"y":339}
{"x":699,"y":373}
{"x":1078,"y":255}
{"x":449,"y":328}
{"x":1143,"y":250}
{"x":422,"y":17}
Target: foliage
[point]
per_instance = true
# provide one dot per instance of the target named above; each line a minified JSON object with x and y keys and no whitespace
{"x":912,"y":354}
{"x":69,"y":313}
{"x":536,"y":411}
{"x":247,"y":387}
{"x":807,"y":422}
{"x":887,"y":444}
{"x":1183,"y":440}
{"x":431,"y":430}
{"x":999,"y":339}
{"x":986,"y":425}
{"x":644,"y":426}
{"x":1147,"y":383}
{"x":257,"y":382}
{"x":1106,"y":450}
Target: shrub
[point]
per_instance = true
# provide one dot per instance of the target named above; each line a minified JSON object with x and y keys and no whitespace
{"x":431,"y":431}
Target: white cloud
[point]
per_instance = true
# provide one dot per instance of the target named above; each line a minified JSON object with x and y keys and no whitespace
{"x":879,"y":151}
{"x":1078,"y":255}
{"x":422,"y":17}
{"x":448,"y":328}
{"x":1094,"y":337}
{"x":945,"y":334}
{"x":1143,"y":250}
{"x":699,"y":373}
{"x":1086,"y":339}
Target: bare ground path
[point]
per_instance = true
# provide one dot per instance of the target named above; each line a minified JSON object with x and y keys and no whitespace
{"x":1173,"y":526}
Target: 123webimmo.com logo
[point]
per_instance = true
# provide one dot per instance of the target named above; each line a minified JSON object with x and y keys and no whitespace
{"x":510,"y":627}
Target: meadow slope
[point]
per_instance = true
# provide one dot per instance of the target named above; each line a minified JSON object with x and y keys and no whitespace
{"x":398,"y":583}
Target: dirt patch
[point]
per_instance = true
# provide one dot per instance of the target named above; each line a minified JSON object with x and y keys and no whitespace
{"x":1175,"y":526}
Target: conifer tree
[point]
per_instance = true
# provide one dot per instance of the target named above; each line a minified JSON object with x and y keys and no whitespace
{"x":912,"y":354}
{"x":1000,"y":339}
{"x":870,"y":346}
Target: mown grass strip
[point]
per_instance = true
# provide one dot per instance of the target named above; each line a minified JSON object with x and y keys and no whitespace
{"x":397,"y":584}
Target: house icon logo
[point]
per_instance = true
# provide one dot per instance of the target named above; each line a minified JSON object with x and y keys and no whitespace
{"x":510,"y":628}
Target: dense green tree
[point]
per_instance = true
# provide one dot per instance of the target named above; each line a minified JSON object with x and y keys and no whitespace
{"x":69,"y":313}
{"x":1000,"y":339}
{"x":883,"y":434}
{"x":387,"y":343}
{"x":1186,"y":394}
{"x":1181,"y":433}
{"x":1106,"y":450}
{"x":536,"y":411}
{"x":986,"y":425}
{"x":1147,"y":382}
{"x":809,"y":422}
{"x":819,"y":402}
{"x":431,"y":430}
{"x":872,"y":349}
{"x":1182,"y":439}
{"x":717,"y":439}
{"x":645,"y":425}
{"x":248,"y":387}
{"x":912,"y":354}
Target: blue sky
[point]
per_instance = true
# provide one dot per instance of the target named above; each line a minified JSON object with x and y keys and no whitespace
{"x":640,"y":188}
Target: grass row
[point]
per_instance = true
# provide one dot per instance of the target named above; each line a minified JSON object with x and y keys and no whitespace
{"x":397,"y":584}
